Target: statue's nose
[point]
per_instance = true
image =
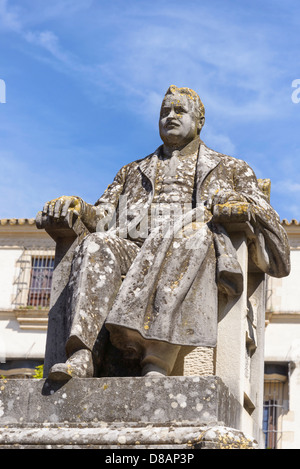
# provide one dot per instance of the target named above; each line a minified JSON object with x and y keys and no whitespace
{"x":171,"y":114}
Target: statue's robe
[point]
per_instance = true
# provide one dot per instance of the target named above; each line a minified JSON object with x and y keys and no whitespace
{"x":173,"y":271}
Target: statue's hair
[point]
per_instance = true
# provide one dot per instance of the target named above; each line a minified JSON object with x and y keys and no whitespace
{"x":198,"y":105}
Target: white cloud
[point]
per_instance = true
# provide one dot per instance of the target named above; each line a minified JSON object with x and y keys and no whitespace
{"x":48,"y":41}
{"x":9,"y":18}
{"x":287,"y":186}
{"x":128,"y":53}
{"x":218,"y":141}
{"x":19,"y":20}
{"x":231,"y":64}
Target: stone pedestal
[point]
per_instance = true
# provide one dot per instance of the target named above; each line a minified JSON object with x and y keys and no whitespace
{"x":121,"y":413}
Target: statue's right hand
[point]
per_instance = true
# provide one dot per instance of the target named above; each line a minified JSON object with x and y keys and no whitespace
{"x":60,"y":207}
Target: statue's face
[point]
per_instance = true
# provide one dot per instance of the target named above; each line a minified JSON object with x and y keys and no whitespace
{"x":178,"y":124}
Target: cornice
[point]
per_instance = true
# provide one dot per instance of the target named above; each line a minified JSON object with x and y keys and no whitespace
{"x":28,"y":319}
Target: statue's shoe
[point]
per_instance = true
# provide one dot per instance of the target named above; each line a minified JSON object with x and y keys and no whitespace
{"x":79,"y":365}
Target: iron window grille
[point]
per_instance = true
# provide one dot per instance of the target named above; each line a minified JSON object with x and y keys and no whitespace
{"x":40,"y":281}
{"x":273,"y":412}
{"x":33,"y":279}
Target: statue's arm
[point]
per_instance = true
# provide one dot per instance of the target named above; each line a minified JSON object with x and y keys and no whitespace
{"x":270,"y":246}
{"x":62,"y":207}
{"x":243,"y":203}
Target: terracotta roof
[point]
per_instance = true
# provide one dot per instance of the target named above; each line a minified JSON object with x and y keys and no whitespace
{"x":17,"y":221}
{"x":31,"y":221}
{"x":293,"y":222}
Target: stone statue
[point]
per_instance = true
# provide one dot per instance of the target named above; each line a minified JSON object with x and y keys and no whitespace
{"x":158,"y":253}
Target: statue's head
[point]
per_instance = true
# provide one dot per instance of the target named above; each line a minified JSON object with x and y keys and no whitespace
{"x":182,"y":116}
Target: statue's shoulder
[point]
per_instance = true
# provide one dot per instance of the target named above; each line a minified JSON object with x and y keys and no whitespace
{"x":141,"y":162}
{"x":227,"y":160}
{"x":134,"y":164}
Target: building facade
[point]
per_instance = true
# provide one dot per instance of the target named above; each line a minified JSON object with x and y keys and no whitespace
{"x":282,"y":352}
{"x":26,"y":265}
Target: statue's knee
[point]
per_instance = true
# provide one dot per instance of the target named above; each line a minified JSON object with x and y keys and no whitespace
{"x":98,"y":238}
{"x":94,"y":243}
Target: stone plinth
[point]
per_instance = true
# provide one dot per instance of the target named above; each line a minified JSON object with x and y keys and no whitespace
{"x":168,"y":412}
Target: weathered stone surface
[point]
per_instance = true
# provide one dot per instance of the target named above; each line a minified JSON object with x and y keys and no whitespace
{"x":163,"y":275}
{"x":117,"y":412}
{"x":158,"y":251}
{"x":115,"y":436}
{"x":193,"y":400}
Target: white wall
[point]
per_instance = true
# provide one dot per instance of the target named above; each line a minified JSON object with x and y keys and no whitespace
{"x":282,"y":341}
{"x":8,"y":259}
{"x":16,"y":343}
{"x":285,"y":294}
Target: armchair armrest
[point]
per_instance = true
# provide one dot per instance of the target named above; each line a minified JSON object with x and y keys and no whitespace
{"x":240,"y":213}
{"x":70,"y":227}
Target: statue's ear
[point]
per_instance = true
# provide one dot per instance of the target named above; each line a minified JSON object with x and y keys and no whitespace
{"x":201,"y":123}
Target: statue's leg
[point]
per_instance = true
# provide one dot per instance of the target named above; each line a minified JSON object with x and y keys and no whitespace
{"x":96,"y":276}
{"x":156,"y":357}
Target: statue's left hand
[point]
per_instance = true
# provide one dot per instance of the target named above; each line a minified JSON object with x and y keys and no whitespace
{"x":226,"y":197}
{"x":229,"y":206}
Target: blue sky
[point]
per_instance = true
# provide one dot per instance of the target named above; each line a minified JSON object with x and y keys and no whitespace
{"x":85,"y":79}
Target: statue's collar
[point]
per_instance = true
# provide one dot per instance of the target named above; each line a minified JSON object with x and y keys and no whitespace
{"x":189,"y":149}
{"x":207,"y":160}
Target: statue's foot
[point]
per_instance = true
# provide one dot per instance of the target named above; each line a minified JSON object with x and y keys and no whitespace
{"x":154,"y":374}
{"x":79,"y":365}
{"x":151,"y":369}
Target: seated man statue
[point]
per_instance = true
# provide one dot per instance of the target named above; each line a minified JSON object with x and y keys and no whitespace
{"x":158,"y":252}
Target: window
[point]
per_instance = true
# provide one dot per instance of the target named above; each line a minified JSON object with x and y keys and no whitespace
{"x":274,"y":404}
{"x":33,"y":280}
{"x":272,"y":412}
{"x":40,"y":281}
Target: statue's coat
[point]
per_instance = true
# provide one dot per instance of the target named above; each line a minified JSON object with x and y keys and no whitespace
{"x":170,"y":292}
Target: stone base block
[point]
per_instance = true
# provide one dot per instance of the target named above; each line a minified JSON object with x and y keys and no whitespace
{"x":95,"y":436}
{"x":165,"y":412}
